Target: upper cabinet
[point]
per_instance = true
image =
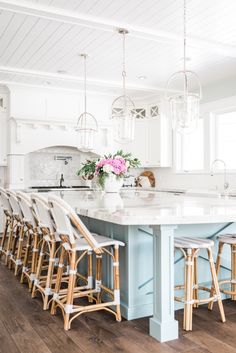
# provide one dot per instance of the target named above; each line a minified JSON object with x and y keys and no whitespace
{"x":153,"y":136}
{"x":3,"y":128}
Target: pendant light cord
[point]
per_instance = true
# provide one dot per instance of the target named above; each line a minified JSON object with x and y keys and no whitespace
{"x":185,"y":43}
{"x":123,"y":64}
{"x":85,"y":84}
{"x":185,"y":35}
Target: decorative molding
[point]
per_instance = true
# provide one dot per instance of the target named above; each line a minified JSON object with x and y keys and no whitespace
{"x":78,"y":79}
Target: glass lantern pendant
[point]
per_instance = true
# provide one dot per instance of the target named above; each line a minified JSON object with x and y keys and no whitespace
{"x":87,"y":125}
{"x":185,"y":102}
{"x":123,"y":109}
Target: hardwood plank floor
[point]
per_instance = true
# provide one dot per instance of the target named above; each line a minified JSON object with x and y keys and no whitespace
{"x":26,"y":328}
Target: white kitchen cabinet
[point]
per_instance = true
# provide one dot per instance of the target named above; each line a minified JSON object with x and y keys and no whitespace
{"x":16,"y":172}
{"x":3,"y":129}
{"x":138,"y":147}
{"x":152,"y":143}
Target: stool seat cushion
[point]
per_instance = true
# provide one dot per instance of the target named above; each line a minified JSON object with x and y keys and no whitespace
{"x":227,"y":238}
{"x":193,"y":243}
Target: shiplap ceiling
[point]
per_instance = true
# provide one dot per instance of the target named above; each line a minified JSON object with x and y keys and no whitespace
{"x":40,"y":37}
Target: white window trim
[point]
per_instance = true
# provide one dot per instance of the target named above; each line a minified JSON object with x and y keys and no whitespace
{"x":210,"y":147}
{"x":206,"y":169}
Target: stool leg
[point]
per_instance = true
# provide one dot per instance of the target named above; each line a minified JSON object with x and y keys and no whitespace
{"x":27,"y":255}
{"x":116,"y":276}
{"x":13,"y":245}
{"x":98,"y":277}
{"x":188,"y":306}
{"x":216,"y":284}
{"x":39,"y":268}
{"x":233,"y":271}
{"x":90,"y":273}
{"x":58,"y":279}
{"x":35,"y":251}
{"x":48,"y":286}
{"x":218,"y":262}
{"x":195,"y":281}
{"x":70,"y":291}
{"x":9,"y":242}
{"x":19,"y":250}
{"x":4,"y":236}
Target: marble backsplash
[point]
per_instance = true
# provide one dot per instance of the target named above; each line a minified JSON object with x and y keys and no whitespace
{"x":44,"y":167}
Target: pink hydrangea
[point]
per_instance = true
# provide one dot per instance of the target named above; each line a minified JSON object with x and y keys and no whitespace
{"x":118,"y":164}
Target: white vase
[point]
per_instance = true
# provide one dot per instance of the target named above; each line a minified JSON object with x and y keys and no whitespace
{"x":112,"y":202}
{"x":112,"y":183}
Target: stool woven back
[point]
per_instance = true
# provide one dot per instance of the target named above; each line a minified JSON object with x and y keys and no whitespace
{"x":67,"y":221}
{"x":26,"y":208}
{"x":14,"y":203}
{"x":5,"y":201}
{"x":42,"y":211}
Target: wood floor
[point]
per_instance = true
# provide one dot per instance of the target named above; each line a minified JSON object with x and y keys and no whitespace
{"x":25,"y":328}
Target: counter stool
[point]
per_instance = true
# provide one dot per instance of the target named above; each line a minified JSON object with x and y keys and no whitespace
{"x":30,"y":236}
{"x":16,"y":236}
{"x":8,"y":224}
{"x":228,"y":239}
{"x":78,"y":242}
{"x":50,"y":248}
{"x":190,"y":247}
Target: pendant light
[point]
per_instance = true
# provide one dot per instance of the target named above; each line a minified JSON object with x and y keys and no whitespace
{"x":184,"y":105}
{"x":123,"y":108}
{"x":87,"y":125}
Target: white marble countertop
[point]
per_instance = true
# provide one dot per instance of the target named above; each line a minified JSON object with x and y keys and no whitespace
{"x":134,"y":207}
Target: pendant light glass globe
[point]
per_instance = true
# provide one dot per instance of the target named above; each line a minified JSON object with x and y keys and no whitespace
{"x":123,"y":109}
{"x":87,"y":125}
{"x":123,"y":115}
{"x":87,"y":128}
{"x":185,"y":101}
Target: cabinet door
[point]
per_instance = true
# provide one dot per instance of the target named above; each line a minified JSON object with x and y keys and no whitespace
{"x":139,"y":147}
{"x":3,"y":129}
{"x":154,"y":142}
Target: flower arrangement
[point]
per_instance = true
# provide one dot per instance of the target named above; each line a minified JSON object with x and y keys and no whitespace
{"x":117,"y":165}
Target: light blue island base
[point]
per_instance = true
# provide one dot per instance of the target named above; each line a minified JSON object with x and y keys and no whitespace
{"x":153,"y":247}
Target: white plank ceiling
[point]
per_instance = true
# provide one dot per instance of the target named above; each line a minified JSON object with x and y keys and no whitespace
{"x":38,"y":38}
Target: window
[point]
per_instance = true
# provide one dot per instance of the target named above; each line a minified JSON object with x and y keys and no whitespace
{"x":225,"y":139}
{"x":190,"y":150}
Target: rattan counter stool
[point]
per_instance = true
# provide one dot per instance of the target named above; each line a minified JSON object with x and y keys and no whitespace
{"x":31,"y":236}
{"x":78,"y":241}
{"x":17,"y":234}
{"x":190,"y":247}
{"x":8,"y":224}
{"x":50,"y":248}
{"x":227,"y":239}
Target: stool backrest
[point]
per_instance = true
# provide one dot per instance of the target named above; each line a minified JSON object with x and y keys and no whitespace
{"x":14,"y":203}
{"x":66,"y":220}
{"x":5,"y":201}
{"x":26,"y":208}
{"x":42,"y":211}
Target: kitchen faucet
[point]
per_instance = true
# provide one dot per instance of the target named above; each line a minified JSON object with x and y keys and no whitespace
{"x":61,"y":180}
{"x":226,"y":183}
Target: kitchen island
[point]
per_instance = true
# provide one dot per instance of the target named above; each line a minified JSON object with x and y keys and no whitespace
{"x":147,"y":222}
